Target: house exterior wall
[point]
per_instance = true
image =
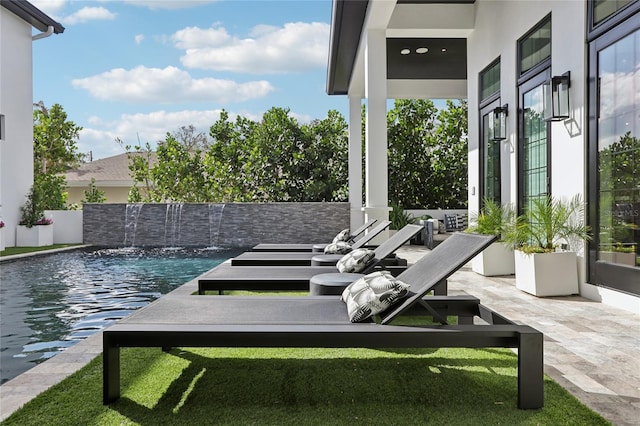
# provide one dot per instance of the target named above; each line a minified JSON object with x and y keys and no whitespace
{"x":16,"y":98}
{"x":568,"y":53}
{"x":112,"y":194}
{"x":205,"y":225}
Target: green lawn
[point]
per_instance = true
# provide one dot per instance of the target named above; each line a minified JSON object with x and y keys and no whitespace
{"x":10,"y":251}
{"x":245,"y":386}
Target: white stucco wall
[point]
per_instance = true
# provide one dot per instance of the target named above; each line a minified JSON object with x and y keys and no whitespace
{"x":499,"y":24}
{"x":16,"y":98}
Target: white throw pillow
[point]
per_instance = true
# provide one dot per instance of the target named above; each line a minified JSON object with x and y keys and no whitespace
{"x":341,"y":247}
{"x":372,"y":294}
{"x":356,"y":260}
{"x":343,"y":235}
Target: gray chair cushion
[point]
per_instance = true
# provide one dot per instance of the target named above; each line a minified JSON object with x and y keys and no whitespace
{"x":330,"y":284}
{"x":372,"y":294}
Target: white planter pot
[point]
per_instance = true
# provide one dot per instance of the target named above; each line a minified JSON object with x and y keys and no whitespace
{"x":2,"y":239}
{"x":547,"y":274}
{"x":497,"y":259}
{"x":36,"y":236}
{"x":618,"y":257}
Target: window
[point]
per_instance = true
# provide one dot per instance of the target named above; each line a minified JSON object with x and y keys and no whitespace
{"x":535,"y":47}
{"x":490,"y":168}
{"x":602,"y":9}
{"x":490,"y":81}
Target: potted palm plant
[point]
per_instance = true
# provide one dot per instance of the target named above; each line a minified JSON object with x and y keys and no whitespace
{"x":498,"y":258}
{"x":542,"y":268}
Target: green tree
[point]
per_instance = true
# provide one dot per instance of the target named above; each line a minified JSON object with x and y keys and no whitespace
{"x":54,"y":152}
{"x":93,"y":194}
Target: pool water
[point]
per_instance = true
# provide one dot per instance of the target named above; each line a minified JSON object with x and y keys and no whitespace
{"x":51,"y":302}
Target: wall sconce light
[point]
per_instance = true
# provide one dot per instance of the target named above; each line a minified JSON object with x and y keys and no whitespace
{"x":498,"y":123}
{"x":556,"y":97}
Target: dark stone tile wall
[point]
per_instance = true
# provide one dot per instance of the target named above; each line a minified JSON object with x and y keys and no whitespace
{"x":206,"y":225}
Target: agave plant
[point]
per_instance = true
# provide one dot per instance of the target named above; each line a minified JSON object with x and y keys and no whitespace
{"x":493,"y":219}
{"x":547,"y":223}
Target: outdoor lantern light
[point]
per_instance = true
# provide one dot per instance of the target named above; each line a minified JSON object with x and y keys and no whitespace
{"x":498,"y":123}
{"x":556,"y":97}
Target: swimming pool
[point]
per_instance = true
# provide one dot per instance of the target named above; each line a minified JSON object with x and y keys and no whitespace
{"x":50,"y":302}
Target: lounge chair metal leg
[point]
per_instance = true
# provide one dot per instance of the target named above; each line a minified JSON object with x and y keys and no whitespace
{"x":110,"y":372}
{"x":530,"y":370}
{"x":440,"y":289}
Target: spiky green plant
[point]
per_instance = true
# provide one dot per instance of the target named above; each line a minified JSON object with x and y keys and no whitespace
{"x":547,"y":223}
{"x":493,"y":219}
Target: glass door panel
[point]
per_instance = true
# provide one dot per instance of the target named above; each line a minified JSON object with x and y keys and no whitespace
{"x":490,"y":159}
{"x":618,"y":221}
{"x":534,"y":148}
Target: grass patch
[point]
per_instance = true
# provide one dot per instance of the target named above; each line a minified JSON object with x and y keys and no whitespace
{"x":280,"y":386}
{"x":10,"y":251}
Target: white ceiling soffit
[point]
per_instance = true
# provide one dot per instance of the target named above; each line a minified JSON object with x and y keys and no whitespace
{"x":414,"y":20}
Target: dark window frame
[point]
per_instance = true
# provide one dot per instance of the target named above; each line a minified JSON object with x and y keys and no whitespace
{"x":601,"y":273}
{"x":541,"y":66}
{"x":492,"y":96}
{"x":524,"y":87}
{"x":612,"y":21}
{"x":486,"y":108}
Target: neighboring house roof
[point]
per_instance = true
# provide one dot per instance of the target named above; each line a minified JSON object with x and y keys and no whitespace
{"x":111,"y":171}
{"x":31,"y":14}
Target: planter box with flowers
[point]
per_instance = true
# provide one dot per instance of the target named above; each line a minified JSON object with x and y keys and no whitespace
{"x":1,"y":235}
{"x":34,"y":230}
{"x":39,"y":235}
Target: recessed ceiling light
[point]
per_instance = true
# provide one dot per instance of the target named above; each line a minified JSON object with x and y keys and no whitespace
{"x":422,"y":50}
{"x":405,"y":51}
{"x":444,"y":49}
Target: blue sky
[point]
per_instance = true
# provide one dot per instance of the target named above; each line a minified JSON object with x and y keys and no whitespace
{"x":136,"y":69}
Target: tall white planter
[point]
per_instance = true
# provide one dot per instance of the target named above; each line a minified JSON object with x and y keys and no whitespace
{"x":547,"y":274}
{"x":497,"y":259}
{"x":36,"y":236}
{"x":67,"y":226}
{"x":1,"y":239}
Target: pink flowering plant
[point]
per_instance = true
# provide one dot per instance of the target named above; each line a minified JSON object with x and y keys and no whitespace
{"x":1,"y":224}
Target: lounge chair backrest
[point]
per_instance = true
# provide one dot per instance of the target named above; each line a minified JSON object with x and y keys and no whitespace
{"x":371,"y":234}
{"x":396,"y":241}
{"x":436,"y":266}
{"x":363,"y":228}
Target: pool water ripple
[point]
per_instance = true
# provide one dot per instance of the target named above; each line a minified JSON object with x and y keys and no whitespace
{"x":49,"y":303}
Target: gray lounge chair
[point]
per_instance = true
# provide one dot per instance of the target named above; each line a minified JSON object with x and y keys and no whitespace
{"x":251,"y":258}
{"x":182,"y":320}
{"x":293,"y":277}
{"x":302,"y":247}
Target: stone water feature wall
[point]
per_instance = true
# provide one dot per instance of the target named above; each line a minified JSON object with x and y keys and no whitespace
{"x":207,"y":225}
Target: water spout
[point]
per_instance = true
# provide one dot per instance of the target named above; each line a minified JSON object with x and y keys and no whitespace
{"x":172,"y":224}
{"x":131,"y":223}
{"x":215,"y":219}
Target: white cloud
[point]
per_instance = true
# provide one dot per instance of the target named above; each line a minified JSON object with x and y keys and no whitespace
{"x":87,"y":14}
{"x":196,"y":38}
{"x":168,"y":85}
{"x":169,"y":4}
{"x":138,"y":38}
{"x":295,"y":47}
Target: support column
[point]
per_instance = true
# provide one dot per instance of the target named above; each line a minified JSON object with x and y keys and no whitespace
{"x":355,"y":162}
{"x":376,"y":169}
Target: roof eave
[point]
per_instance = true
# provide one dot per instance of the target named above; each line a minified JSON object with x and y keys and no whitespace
{"x":31,"y":14}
